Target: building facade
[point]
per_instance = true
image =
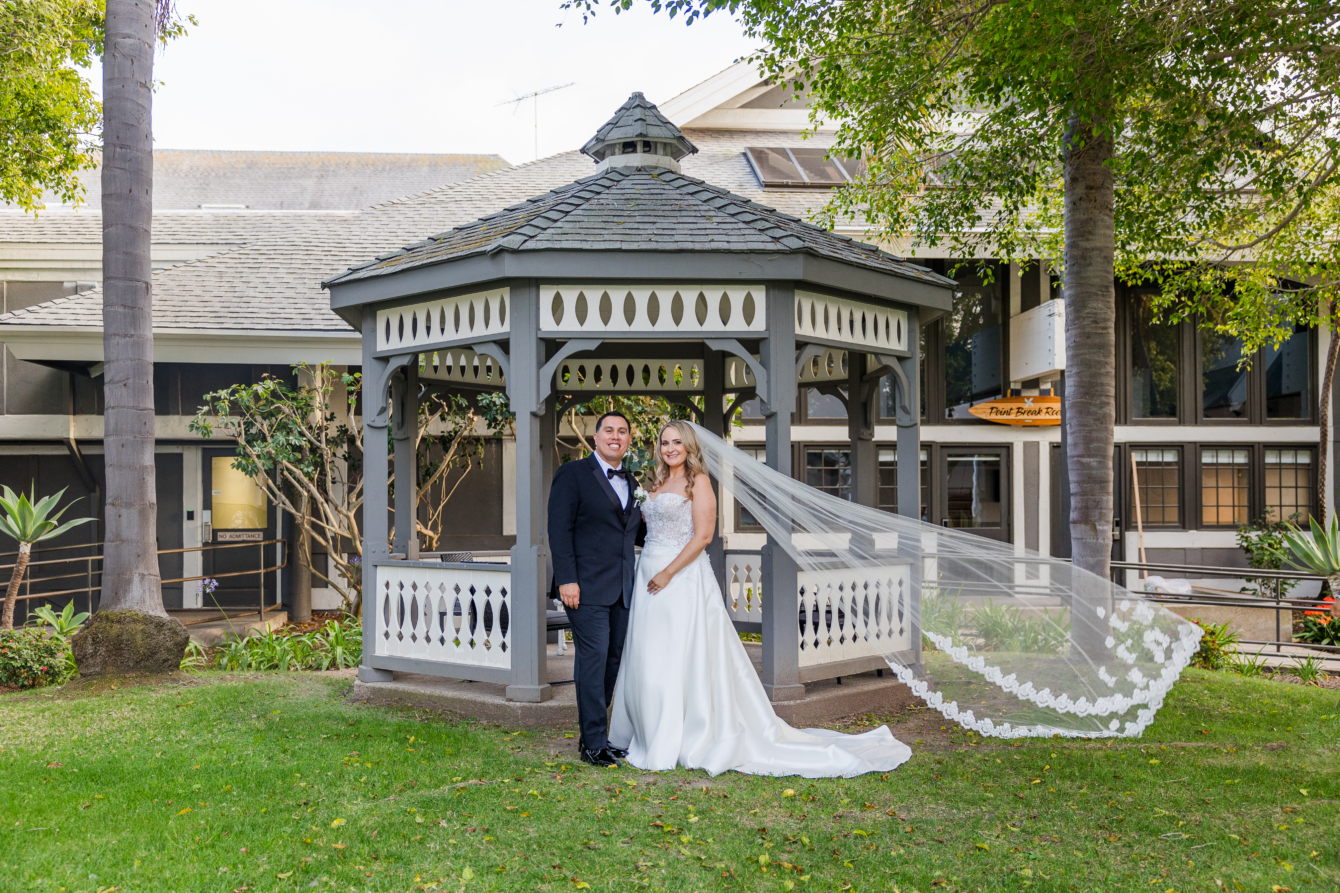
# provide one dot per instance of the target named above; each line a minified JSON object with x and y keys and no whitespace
{"x":1202,"y":446}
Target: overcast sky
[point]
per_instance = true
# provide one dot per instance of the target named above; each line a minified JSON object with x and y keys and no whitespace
{"x":418,"y":75}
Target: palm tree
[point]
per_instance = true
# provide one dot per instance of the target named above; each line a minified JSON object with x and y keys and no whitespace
{"x":29,"y":521}
{"x":131,"y":580}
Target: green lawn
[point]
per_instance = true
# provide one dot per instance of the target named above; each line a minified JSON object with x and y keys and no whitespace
{"x":273,"y":782}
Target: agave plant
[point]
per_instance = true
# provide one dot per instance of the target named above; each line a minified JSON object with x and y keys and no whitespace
{"x":29,"y":521}
{"x":1318,"y":553}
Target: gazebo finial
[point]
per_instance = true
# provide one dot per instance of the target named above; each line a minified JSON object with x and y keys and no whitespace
{"x":638,"y":136}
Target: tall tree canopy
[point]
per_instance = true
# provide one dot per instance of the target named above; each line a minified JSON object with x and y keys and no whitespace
{"x":48,"y":111}
{"x":1165,"y":140}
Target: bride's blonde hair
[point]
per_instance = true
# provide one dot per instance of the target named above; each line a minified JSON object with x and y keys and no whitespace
{"x":693,"y":457}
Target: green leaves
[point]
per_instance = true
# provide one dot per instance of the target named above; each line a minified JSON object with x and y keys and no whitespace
{"x":32,"y":520}
{"x":1318,"y":553}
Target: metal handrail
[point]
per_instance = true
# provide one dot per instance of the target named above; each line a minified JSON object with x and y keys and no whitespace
{"x":88,"y":573}
{"x":1231,"y":572}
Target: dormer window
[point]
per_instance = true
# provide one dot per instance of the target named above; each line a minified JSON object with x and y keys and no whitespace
{"x":779,"y":167}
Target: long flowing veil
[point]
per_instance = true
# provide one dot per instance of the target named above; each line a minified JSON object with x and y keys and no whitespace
{"x":999,"y":639}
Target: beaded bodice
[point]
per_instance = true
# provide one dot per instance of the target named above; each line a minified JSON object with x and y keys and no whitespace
{"x":669,"y":521}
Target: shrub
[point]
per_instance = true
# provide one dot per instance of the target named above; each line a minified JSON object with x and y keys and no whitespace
{"x":1319,"y":627}
{"x":1218,"y":646}
{"x":334,"y":646}
{"x":1007,"y":628}
{"x":29,"y":658}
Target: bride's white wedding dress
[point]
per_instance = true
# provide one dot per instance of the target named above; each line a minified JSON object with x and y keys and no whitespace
{"x":687,"y":694}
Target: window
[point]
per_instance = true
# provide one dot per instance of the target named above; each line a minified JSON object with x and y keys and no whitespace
{"x":778,"y":166}
{"x":888,"y":482}
{"x":823,"y":406}
{"x":829,"y":471}
{"x":1153,"y":363}
{"x":1224,"y":486}
{"x":1288,"y":477}
{"x":973,"y":491}
{"x":236,"y":503}
{"x":972,"y":349}
{"x":1287,"y":371}
{"x":745,"y":522}
{"x":1158,"y":486}
{"x":1223,"y":382}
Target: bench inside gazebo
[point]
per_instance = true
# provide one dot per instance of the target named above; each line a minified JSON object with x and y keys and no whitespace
{"x":634,"y":280}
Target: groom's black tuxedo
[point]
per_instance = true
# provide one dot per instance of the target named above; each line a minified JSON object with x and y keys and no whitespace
{"x":591,"y":540}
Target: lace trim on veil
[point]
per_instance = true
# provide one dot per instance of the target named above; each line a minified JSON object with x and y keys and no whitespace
{"x":1035,"y":634}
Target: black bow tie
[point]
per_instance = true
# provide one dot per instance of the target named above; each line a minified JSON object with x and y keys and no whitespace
{"x":613,"y":473}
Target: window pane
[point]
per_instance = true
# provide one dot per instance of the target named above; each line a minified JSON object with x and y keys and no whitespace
{"x":972,"y":350}
{"x":974,"y":491}
{"x":887,"y":408}
{"x":1288,"y":369}
{"x":758,"y":454}
{"x":823,"y":406}
{"x":888,"y":482}
{"x":1153,"y":363}
{"x":829,"y":471}
{"x":774,"y":167}
{"x":1223,"y":486}
{"x":236,"y":502}
{"x":1289,"y":485}
{"x":1223,"y":384}
{"x":1158,"y":473}
{"x":819,"y":169}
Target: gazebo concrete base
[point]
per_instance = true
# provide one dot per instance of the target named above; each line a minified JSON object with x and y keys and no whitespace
{"x":824,"y":700}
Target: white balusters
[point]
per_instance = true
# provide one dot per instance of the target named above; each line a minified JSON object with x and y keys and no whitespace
{"x":630,"y":375}
{"x":858,"y":323}
{"x":744,"y":587}
{"x":449,"y":615}
{"x":854,"y":613}
{"x":480,"y":316}
{"x":662,"y":309}
{"x":460,"y":365}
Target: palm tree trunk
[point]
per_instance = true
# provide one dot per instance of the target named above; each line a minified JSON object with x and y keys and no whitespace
{"x":1324,"y":412}
{"x":131,"y":579}
{"x":12,"y":596}
{"x":1090,"y":392}
{"x":1090,"y":341}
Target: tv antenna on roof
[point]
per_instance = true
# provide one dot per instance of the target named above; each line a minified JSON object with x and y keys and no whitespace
{"x":535,"y":96}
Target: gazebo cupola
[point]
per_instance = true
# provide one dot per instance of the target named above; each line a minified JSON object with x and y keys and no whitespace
{"x":636,"y":279}
{"x":638,"y":136}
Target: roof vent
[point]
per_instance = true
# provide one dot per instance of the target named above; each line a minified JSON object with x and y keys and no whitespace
{"x":638,"y":136}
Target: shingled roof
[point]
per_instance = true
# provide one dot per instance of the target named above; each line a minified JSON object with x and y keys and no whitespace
{"x":637,"y":209}
{"x":638,"y":119}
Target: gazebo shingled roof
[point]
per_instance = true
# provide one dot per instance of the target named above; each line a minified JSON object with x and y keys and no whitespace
{"x":638,"y":119}
{"x":637,"y":209}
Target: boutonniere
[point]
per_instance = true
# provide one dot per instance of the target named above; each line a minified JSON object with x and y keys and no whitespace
{"x":640,"y":496}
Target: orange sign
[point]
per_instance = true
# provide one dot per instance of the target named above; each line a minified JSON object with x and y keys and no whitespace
{"x":1038,"y":411}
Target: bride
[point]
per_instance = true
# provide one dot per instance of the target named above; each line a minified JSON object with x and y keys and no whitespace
{"x":687,"y":694}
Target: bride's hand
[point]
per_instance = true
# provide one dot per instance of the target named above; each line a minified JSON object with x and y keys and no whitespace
{"x":659,"y":582}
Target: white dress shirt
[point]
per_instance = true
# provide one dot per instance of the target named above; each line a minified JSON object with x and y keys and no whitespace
{"x":619,"y":483}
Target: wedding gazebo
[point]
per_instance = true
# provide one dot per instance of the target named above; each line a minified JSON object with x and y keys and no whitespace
{"x":634,"y":280}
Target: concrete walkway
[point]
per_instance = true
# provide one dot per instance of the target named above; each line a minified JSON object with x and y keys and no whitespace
{"x":824,"y":700}
{"x":210,"y":627}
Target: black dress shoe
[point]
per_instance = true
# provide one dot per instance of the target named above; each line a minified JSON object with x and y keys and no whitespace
{"x":619,"y":753}
{"x":601,"y":758}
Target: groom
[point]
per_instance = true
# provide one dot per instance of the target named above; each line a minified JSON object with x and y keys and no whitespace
{"x":594,"y":523}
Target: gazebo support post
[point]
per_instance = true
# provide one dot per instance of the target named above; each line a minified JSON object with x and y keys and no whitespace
{"x":404,"y":427}
{"x":907,"y":414}
{"x":374,"y":493}
{"x":781,"y":607}
{"x":862,"y":411}
{"x":530,"y":559}
{"x":714,"y":380}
